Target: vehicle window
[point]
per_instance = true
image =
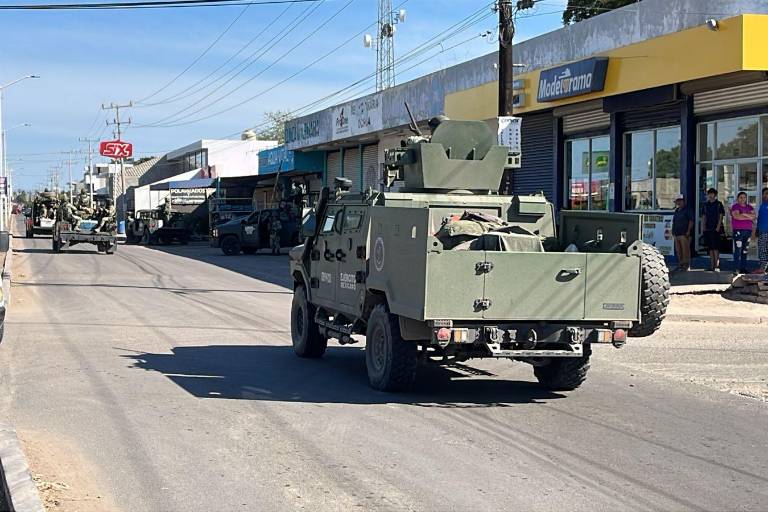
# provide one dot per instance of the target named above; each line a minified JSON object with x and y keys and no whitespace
{"x":330,"y":220}
{"x":352,"y":220}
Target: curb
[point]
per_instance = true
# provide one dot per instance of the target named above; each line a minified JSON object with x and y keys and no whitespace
{"x":18,"y":492}
{"x":718,"y":319}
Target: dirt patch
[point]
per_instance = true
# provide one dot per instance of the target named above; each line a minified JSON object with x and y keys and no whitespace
{"x":65,"y":480}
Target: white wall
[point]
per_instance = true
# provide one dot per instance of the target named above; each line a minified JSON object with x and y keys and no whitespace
{"x":236,"y":157}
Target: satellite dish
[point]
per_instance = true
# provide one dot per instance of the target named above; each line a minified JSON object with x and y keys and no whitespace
{"x":401,"y":15}
{"x":367,"y":40}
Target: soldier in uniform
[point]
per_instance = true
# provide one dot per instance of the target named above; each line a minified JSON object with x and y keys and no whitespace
{"x":107,"y":219}
{"x":166,"y":210}
{"x":275,"y":226}
{"x":68,"y":213}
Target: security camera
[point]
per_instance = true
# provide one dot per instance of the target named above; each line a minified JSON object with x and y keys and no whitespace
{"x":713,"y":24}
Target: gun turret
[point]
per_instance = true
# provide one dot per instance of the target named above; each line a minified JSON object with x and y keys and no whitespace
{"x":460,"y":155}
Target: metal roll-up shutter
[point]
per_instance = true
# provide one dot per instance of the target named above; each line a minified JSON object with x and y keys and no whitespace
{"x":586,"y":122}
{"x":732,"y":98}
{"x":371,"y":167}
{"x":664,"y":115}
{"x":352,"y":167}
{"x":537,"y":171}
{"x":333,"y":167}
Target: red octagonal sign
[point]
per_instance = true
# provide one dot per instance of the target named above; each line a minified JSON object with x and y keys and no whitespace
{"x":116,"y":149}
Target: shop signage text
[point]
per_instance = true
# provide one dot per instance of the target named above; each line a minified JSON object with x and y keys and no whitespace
{"x":357,"y":117}
{"x":575,"y":79}
{"x":276,"y":159}
{"x":302,"y":132}
{"x":657,"y":231}
{"x":115,"y":149}
{"x":182,"y":196}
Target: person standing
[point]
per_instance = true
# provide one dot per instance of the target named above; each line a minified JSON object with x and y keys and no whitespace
{"x":682,"y":229}
{"x":742,"y":222}
{"x":712,"y":215}
{"x":275,"y":226}
{"x":760,"y":232}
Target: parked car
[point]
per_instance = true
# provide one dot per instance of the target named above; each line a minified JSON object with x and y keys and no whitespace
{"x":251,"y":233}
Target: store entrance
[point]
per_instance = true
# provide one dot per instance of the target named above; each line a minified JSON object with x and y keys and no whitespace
{"x":729,"y":178}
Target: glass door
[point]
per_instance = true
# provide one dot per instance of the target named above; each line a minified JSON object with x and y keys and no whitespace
{"x":725,"y":174}
{"x":749,"y":182}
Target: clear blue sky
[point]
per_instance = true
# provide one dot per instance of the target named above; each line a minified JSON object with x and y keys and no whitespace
{"x":89,"y":57}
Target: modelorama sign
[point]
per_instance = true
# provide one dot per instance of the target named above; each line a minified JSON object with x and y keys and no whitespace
{"x":574,"y":79}
{"x":357,"y":117}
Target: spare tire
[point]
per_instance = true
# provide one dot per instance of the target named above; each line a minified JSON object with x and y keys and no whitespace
{"x":654,"y":292}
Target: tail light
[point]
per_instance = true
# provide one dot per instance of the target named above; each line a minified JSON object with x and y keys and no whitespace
{"x":443,"y":334}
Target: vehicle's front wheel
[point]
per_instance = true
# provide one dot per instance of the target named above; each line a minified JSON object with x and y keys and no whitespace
{"x":307,"y":340}
{"x":391,"y":361}
{"x":654,"y":293}
{"x":230,"y":245}
{"x":564,"y":374}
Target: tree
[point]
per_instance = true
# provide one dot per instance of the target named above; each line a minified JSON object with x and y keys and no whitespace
{"x":275,"y":125}
{"x":579,"y":10}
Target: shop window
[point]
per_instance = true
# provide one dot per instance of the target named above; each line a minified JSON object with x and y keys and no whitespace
{"x":652,"y":169}
{"x":587,"y":168}
{"x":706,"y":142}
{"x":736,"y":138}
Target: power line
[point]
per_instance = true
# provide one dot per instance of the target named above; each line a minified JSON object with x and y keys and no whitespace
{"x":181,"y":94}
{"x":246,"y":82}
{"x":151,"y":4}
{"x":456,"y":28}
{"x":197,"y":59}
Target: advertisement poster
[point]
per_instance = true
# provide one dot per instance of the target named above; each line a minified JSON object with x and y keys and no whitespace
{"x":509,"y":133}
{"x":657,"y":231}
{"x":357,"y":117}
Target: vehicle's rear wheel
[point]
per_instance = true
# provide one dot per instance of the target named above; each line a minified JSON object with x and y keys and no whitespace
{"x":307,"y":340}
{"x":230,"y":245}
{"x":564,"y":374}
{"x":654,"y":294}
{"x":101,"y":246}
{"x":56,"y":245}
{"x":110,"y":248}
{"x":145,"y":237}
{"x":391,"y":361}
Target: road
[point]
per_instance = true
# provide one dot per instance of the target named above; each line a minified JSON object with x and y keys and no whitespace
{"x":164,"y":380}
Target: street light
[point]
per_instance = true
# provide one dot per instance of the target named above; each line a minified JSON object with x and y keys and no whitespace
{"x":3,"y":170}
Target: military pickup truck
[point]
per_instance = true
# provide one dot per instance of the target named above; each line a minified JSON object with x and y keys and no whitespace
{"x":446,"y":269}
{"x":65,"y":235}
{"x":41,"y":217}
{"x":251,"y":233}
{"x":148,"y":227}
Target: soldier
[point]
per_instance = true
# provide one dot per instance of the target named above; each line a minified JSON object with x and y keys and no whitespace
{"x":68,"y":213}
{"x":107,"y":217}
{"x":275,"y":226}
{"x":166,"y":210}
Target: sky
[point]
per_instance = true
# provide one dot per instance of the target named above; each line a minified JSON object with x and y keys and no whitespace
{"x":157,"y":59}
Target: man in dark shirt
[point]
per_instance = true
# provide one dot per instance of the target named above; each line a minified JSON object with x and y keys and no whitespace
{"x":712,"y":215}
{"x":682,"y":228}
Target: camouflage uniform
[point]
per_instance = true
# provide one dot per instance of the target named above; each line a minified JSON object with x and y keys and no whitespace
{"x":107,"y":218}
{"x":67,"y":213}
{"x":275,"y":226}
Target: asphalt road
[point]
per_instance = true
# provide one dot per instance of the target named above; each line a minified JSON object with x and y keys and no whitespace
{"x":165,"y":378}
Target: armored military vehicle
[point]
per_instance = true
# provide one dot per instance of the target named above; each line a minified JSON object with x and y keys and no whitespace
{"x":150,"y":228}
{"x":251,"y":233}
{"x":445,"y":269}
{"x":42,"y":214}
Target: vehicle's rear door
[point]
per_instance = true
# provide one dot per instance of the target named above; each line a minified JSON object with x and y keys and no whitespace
{"x":534,"y":285}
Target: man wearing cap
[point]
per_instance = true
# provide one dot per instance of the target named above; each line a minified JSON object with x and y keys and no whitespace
{"x":682,"y":228}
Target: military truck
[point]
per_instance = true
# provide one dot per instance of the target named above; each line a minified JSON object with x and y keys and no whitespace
{"x":148,"y":227}
{"x":446,"y":269}
{"x":66,"y":235}
{"x":42,"y":215}
{"x":251,"y":233}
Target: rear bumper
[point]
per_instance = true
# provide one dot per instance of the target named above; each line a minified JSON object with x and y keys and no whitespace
{"x":93,"y":238}
{"x":525,"y":340}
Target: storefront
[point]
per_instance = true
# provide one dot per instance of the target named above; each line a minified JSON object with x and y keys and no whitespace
{"x":630,"y":129}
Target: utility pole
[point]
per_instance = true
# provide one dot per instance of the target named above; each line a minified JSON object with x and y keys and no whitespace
{"x":506,"y":65}
{"x":69,"y":169}
{"x":117,"y":123}
{"x":90,"y":166}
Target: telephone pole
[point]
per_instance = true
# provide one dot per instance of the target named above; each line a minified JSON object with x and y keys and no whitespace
{"x":90,"y":166}
{"x":117,"y":123}
{"x":506,"y":65}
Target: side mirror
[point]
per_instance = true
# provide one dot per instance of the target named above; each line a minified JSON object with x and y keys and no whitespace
{"x":308,"y":224}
